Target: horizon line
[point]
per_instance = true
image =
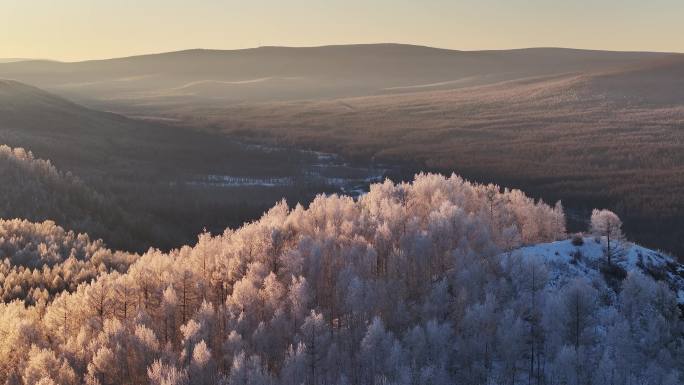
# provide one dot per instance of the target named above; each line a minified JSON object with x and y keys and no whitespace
{"x":14,"y":60}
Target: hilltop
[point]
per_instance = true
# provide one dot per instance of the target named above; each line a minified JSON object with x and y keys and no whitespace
{"x":585,"y":257}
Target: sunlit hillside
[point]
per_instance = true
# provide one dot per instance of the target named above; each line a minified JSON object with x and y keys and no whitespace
{"x":411,"y":283}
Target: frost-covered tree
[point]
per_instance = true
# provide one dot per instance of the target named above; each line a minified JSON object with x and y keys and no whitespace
{"x":164,"y":374}
{"x":202,"y":369}
{"x":605,"y":223}
{"x":247,"y":371}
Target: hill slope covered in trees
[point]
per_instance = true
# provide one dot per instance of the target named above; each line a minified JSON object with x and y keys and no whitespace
{"x":414,"y":283}
{"x":144,"y":168}
{"x":34,"y":189}
{"x":40,"y":260}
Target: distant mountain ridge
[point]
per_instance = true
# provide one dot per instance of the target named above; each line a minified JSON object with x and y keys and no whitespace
{"x":319,"y":72}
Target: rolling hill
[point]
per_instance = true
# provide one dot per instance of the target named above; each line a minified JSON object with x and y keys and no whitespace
{"x":285,"y":73}
{"x":91,"y":142}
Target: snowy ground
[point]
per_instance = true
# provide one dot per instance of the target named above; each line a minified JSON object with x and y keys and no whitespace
{"x":566,"y":261}
{"x":319,"y":168}
{"x":236,"y":181}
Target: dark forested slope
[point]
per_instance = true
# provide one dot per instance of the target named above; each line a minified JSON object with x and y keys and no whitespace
{"x":145,"y":169}
{"x":34,"y":189}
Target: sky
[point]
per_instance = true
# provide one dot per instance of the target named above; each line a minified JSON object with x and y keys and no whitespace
{"x":72,"y":30}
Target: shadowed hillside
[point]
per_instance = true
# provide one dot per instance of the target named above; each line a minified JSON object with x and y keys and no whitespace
{"x":34,"y":189}
{"x":145,"y":168}
{"x":94,"y":142}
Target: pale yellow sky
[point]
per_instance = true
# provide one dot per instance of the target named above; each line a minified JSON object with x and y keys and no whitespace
{"x":91,"y":29}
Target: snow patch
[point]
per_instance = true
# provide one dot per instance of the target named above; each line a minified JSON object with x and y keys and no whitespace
{"x":566,"y":261}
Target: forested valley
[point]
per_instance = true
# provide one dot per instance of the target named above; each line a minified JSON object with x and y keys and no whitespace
{"x":590,"y":128}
